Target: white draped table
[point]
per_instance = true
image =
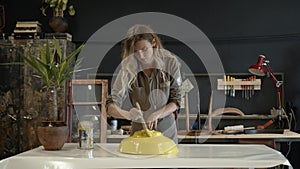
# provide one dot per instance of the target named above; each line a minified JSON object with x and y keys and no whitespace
{"x":189,"y":156}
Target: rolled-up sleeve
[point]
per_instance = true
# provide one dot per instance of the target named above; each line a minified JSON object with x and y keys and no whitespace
{"x":176,"y":81}
{"x":118,"y":91}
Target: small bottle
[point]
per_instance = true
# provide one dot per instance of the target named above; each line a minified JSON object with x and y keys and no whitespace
{"x":114,"y":126}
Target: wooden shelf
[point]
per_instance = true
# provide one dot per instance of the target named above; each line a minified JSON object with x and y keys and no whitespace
{"x":86,"y":103}
{"x":239,"y":84}
{"x":246,"y":117}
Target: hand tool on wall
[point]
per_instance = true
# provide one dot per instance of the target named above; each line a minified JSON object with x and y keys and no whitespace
{"x":225,"y":86}
{"x":243,"y":90}
{"x":233,"y":90}
{"x":248,"y":89}
{"x":228,"y":86}
{"x":252,"y":87}
{"x":231,"y":86}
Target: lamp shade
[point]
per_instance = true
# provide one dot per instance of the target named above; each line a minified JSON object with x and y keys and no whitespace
{"x":258,"y":69}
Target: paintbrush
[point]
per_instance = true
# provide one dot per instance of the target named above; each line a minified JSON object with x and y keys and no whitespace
{"x":143,"y":121}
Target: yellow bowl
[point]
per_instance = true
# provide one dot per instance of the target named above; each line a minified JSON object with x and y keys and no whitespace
{"x":141,"y":143}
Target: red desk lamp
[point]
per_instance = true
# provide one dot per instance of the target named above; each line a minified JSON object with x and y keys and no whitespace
{"x":258,"y":69}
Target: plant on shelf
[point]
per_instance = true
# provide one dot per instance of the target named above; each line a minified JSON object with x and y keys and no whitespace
{"x":57,"y":22}
{"x":58,"y":7}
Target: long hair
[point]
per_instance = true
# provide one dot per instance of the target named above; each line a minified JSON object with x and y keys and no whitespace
{"x":129,"y":63}
{"x":136,"y":33}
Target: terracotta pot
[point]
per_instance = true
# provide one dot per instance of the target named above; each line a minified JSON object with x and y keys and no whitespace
{"x":52,"y":137}
{"x":58,"y":24}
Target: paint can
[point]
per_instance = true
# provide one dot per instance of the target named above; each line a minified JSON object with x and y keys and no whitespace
{"x":85,"y":135}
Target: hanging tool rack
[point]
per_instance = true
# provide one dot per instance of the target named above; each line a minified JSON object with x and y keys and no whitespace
{"x":248,"y":85}
{"x":239,"y":84}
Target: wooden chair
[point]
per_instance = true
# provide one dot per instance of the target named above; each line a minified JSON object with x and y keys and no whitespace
{"x":70,"y":103}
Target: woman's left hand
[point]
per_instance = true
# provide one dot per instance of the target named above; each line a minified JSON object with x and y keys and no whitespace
{"x":152,"y":125}
{"x":152,"y":121}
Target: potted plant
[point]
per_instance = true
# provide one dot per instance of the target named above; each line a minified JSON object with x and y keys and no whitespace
{"x":54,"y":69}
{"x":57,"y":22}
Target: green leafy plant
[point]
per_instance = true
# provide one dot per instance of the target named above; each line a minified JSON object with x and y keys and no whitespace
{"x":58,"y":7}
{"x":54,"y":68}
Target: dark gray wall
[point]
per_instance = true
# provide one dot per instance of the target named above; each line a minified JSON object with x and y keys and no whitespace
{"x":239,"y":29}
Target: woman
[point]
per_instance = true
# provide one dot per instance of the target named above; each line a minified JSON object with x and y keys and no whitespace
{"x":150,"y":76}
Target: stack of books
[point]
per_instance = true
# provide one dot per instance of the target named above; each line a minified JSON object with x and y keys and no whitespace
{"x":65,"y":36}
{"x":27,"y":30}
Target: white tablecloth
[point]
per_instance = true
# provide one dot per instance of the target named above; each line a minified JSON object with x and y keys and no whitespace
{"x":189,"y":156}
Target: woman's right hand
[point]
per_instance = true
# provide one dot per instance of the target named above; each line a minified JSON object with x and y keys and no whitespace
{"x":135,"y":114}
